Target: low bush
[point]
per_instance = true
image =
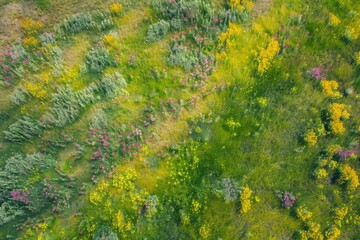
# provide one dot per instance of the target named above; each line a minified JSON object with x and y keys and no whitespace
{"x":158,"y":30}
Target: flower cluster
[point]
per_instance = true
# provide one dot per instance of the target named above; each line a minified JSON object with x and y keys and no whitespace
{"x":30,"y":42}
{"x":317,"y":73}
{"x":332,"y":233}
{"x":204,"y":231}
{"x":116,"y":9}
{"x":266,"y":55}
{"x":30,"y":27}
{"x":311,"y":138}
{"x":339,"y":214}
{"x":245,"y":199}
{"x":110,"y":41}
{"x":38,"y":89}
{"x":97,"y":195}
{"x":330,"y":88}
{"x":313,"y":231}
{"x":333,"y":20}
{"x":287,"y":199}
{"x":348,"y":177}
{"x":338,"y":112}
{"x":241,"y":5}
{"x":303,"y":214}
{"x":350,"y":34}
{"x":228,"y":37}
{"x":21,"y":196}
{"x":357,"y":58}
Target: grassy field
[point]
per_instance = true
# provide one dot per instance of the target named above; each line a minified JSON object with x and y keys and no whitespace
{"x":180,"y":119}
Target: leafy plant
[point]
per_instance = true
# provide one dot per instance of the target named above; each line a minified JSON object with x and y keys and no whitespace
{"x":75,"y":24}
{"x":97,"y":59}
{"x":19,"y":96}
{"x":112,"y":84}
{"x":24,"y":129}
{"x":67,"y":105}
{"x":98,"y":120}
{"x":158,"y":30}
{"x":104,"y":232}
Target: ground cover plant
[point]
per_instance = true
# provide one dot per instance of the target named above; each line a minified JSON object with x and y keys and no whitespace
{"x":180,"y":119}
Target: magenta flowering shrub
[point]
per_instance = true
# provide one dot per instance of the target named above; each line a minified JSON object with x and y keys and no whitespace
{"x":21,"y":196}
{"x":110,"y":146}
{"x":287,"y":199}
{"x":165,"y":109}
{"x":318,"y":73}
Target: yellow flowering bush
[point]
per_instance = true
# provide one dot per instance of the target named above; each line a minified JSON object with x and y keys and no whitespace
{"x":313,"y":231}
{"x":116,"y":9}
{"x":36,"y":90}
{"x":321,"y":173}
{"x":303,"y":214}
{"x":96,"y":196}
{"x":30,"y":27}
{"x":204,"y":231}
{"x":228,"y":37}
{"x":110,"y":41}
{"x":332,"y":233}
{"x":348,"y":177}
{"x":257,"y":28}
{"x":357,"y":58}
{"x":266,"y":55}
{"x":125,"y":181}
{"x":339,"y":214}
{"x":185,"y":218}
{"x":311,"y":138}
{"x":245,"y":200}
{"x":195,"y":206}
{"x":240,"y":5}
{"x":30,"y":42}
{"x":350,"y":33}
{"x":338,"y":111}
{"x":330,"y":88}
{"x":333,"y":20}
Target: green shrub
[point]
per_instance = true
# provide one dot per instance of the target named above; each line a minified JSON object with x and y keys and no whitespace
{"x":112,"y":84}
{"x":97,"y":59}
{"x":67,"y":106}
{"x":157,"y":31}
{"x":98,"y":120}
{"x":19,"y":96}
{"x":105,"y":233}
{"x":75,"y":24}
{"x":47,"y":38}
{"x":23,"y":129}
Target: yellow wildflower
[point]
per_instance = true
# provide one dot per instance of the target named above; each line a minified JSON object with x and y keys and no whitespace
{"x":30,"y":42}
{"x":195,"y":206}
{"x":330,"y":88}
{"x":357,"y":58}
{"x":334,"y":20}
{"x":321,"y":173}
{"x":116,"y":8}
{"x":349,"y":177}
{"x":110,"y":41}
{"x":339,"y":214}
{"x":266,"y":55}
{"x":333,"y":233}
{"x":350,"y":34}
{"x":311,"y":138}
{"x":303,"y":214}
{"x":204,"y":231}
{"x":338,"y":111}
{"x":245,"y":200}
{"x":31,"y":27}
